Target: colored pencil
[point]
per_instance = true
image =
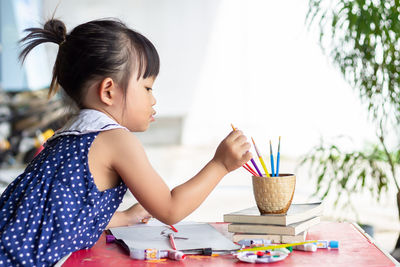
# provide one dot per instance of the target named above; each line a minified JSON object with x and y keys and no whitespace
{"x":272,"y":158}
{"x":278,"y":157}
{"x":260,"y":158}
{"x":173,"y":228}
{"x":249,"y":170}
{"x":172,"y":241}
{"x":252,"y":160}
{"x":255,"y":166}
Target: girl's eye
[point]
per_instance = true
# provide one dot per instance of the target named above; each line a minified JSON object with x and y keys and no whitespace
{"x":149,"y":88}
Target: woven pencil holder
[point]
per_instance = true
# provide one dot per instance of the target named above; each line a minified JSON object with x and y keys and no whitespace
{"x":274,"y":195}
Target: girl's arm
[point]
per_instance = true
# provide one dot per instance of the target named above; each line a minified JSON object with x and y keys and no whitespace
{"x":117,"y":220}
{"x":133,"y":215}
{"x":130,"y":162}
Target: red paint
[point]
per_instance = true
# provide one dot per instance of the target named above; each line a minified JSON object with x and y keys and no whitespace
{"x":260,"y":253}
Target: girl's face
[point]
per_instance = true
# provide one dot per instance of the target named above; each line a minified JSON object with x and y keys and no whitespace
{"x":138,"y":110}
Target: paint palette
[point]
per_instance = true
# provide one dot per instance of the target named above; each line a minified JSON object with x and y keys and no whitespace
{"x":261,"y":256}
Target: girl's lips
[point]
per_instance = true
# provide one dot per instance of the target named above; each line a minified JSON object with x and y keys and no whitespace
{"x":152,"y":116}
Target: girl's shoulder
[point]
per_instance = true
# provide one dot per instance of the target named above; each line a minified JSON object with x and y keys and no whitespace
{"x":117,"y":152}
{"x":118,"y":140}
{"x":109,"y":148}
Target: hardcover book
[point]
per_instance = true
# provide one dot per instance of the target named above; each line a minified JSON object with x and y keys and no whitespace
{"x":296,"y":213}
{"x":292,"y":229}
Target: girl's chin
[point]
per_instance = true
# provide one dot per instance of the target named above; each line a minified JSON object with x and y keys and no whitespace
{"x":138,"y":129}
{"x":143,"y":128}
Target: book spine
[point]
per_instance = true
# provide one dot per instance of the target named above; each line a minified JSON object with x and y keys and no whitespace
{"x":291,"y":230}
{"x":255,"y":220}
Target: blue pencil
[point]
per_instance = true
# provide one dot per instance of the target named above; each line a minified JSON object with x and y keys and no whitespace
{"x":272,"y":158}
{"x":278,"y":157}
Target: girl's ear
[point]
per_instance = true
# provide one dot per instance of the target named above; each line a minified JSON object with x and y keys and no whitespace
{"x":106,"y":91}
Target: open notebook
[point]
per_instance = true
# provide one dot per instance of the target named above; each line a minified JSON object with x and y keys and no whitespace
{"x":199,"y":236}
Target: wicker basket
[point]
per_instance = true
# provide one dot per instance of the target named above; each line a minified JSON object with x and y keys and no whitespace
{"x":274,"y":195}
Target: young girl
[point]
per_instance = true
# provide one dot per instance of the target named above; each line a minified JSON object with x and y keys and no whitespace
{"x":69,"y":193}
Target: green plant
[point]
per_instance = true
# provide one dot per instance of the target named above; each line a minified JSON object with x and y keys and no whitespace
{"x":347,"y":173}
{"x":362,"y":38}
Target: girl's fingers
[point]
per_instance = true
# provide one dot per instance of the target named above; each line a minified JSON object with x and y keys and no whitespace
{"x":245,"y":146}
{"x":146,"y":219}
{"x":241,"y":139}
{"x":234,"y":134}
{"x":247,"y":156}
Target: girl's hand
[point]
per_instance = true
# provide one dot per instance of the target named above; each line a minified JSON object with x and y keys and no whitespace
{"x":136,"y":214}
{"x":233,"y":151}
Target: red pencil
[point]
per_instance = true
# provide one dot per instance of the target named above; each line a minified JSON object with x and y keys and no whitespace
{"x":172,"y":241}
{"x":250,"y":171}
{"x":173,"y":228}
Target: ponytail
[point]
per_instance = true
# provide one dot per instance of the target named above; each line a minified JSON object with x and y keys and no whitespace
{"x":91,"y":52}
{"x":54,"y":31}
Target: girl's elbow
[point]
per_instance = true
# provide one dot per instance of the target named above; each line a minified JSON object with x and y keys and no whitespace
{"x":171,"y":217}
{"x":169,"y":221}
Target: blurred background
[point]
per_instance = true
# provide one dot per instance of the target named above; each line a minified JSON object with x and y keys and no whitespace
{"x":272,"y":68}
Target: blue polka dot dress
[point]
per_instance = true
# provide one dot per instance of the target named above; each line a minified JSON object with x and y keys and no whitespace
{"x":54,"y":207}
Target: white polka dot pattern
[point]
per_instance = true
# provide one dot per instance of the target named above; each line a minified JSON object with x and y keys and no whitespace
{"x":54,"y":207}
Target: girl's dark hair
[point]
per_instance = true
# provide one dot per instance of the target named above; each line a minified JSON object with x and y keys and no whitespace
{"x":93,"y":51}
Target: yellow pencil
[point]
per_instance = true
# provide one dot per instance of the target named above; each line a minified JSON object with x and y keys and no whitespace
{"x":277,"y":246}
{"x":260,"y":158}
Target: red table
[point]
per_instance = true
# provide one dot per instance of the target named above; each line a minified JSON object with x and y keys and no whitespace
{"x":355,"y":249}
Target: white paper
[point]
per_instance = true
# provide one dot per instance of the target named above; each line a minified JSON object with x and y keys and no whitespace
{"x":199,"y":236}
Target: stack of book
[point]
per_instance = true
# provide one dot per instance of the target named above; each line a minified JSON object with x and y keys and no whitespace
{"x":280,"y":228}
